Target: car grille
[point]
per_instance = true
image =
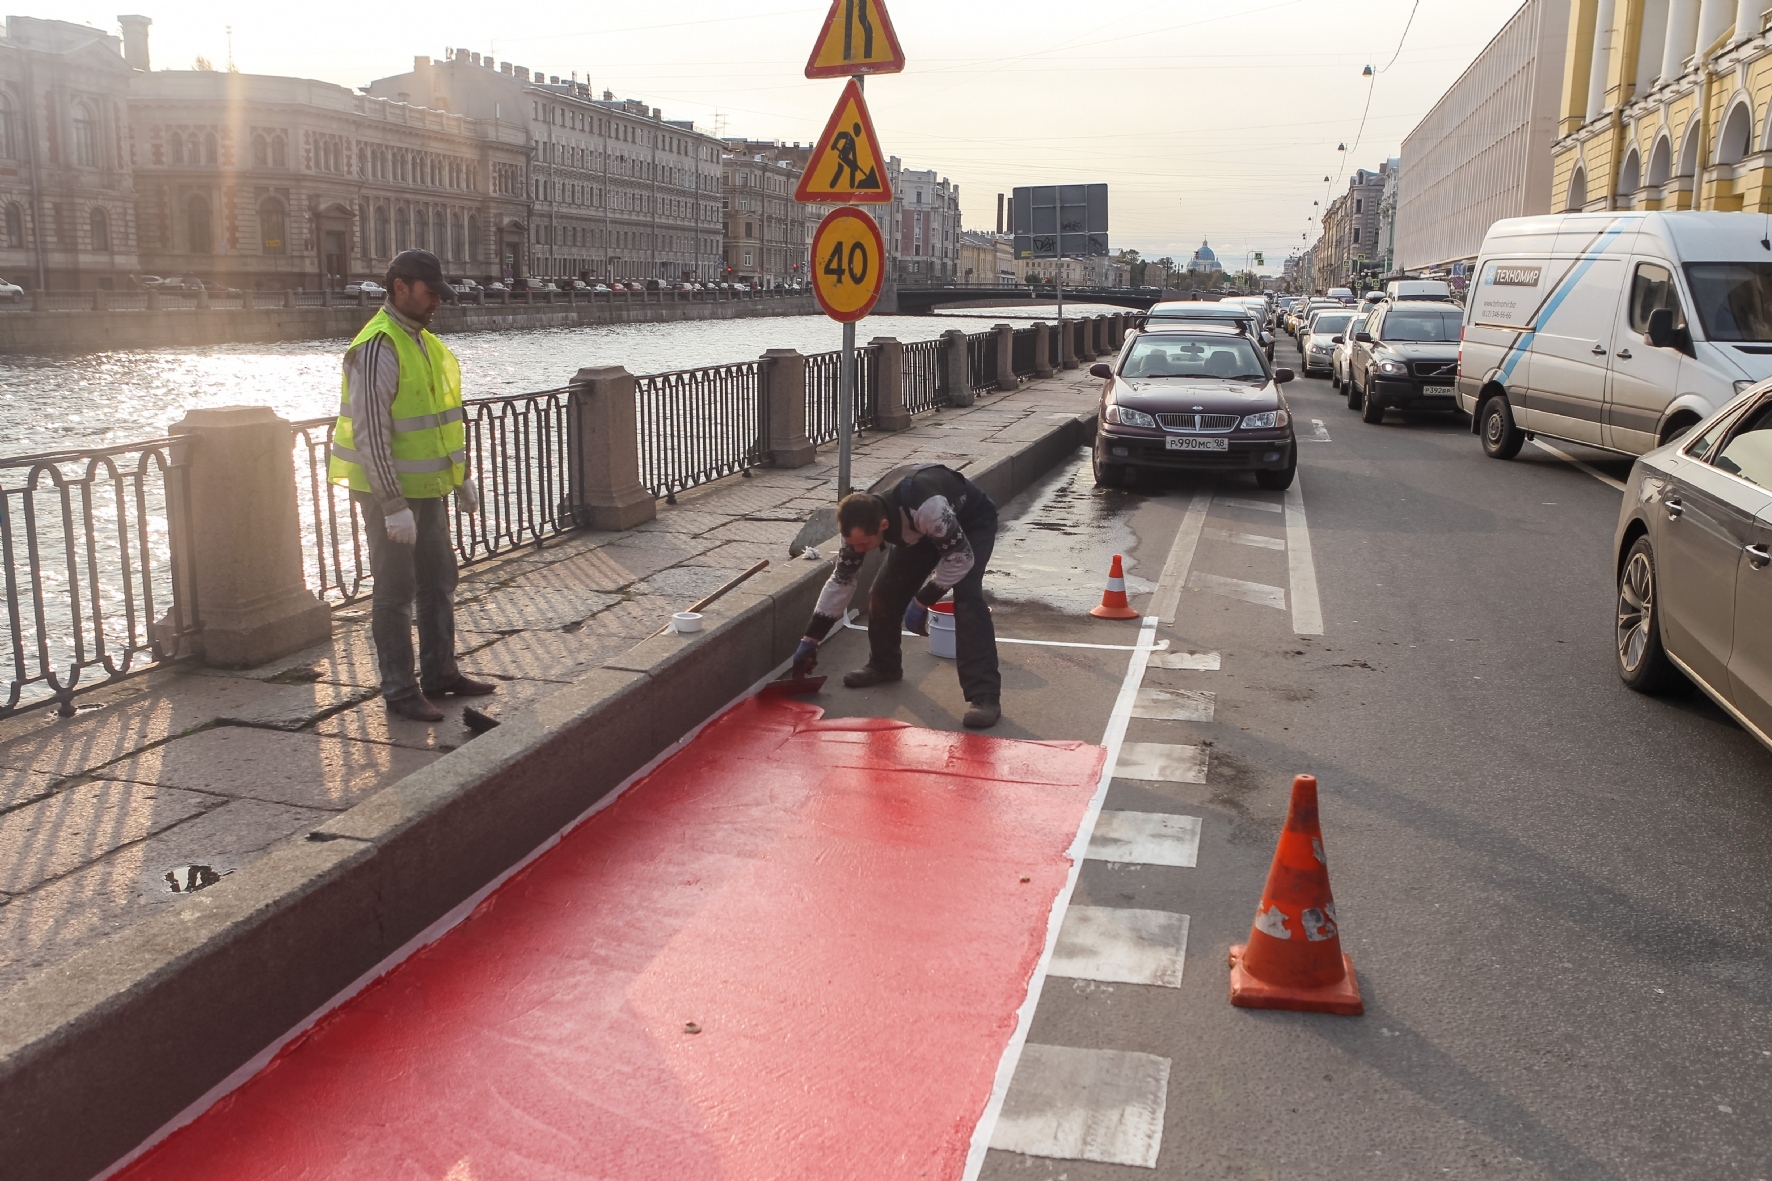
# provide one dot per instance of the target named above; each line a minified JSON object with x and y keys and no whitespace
{"x":1436,"y":368}
{"x":1197,"y":423}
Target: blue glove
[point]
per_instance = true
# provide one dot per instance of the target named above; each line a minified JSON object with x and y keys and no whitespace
{"x":805,"y":656}
{"x":916,"y":618}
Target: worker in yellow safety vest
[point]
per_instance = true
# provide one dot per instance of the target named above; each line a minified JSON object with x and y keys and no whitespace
{"x":401,"y":447}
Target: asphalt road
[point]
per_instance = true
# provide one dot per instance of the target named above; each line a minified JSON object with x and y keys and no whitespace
{"x":1554,"y":890}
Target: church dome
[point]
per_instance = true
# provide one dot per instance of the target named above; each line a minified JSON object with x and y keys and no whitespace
{"x":1204,"y":253}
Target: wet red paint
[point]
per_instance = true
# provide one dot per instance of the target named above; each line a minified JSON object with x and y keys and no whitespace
{"x":837,"y":905}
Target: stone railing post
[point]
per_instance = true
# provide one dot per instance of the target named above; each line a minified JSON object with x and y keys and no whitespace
{"x":244,"y":537}
{"x":480,"y":297}
{"x":247,"y":302}
{"x":606,"y":492}
{"x":1042,"y":349}
{"x":890,"y":414}
{"x":1086,"y":339}
{"x":1067,"y":345}
{"x":98,"y":299}
{"x":39,"y":300}
{"x":203,"y":299}
{"x":956,"y":368}
{"x":288,"y":298}
{"x":784,"y":397}
{"x":1005,"y":357}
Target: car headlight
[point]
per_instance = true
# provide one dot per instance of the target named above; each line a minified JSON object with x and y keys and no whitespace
{"x":1319,"y":348}
{"x":1126,"y":416}
{"x":1392,"y":367}
{"x":1267,"y":420}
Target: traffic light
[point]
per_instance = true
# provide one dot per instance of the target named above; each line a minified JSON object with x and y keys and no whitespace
{"x":1259,"y":260}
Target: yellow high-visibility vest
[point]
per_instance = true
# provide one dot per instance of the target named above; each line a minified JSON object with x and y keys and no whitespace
{"x":430,"y":438}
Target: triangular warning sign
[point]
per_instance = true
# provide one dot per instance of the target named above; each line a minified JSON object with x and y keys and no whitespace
{"x":847,"y":164}
{"x":857,"y":38}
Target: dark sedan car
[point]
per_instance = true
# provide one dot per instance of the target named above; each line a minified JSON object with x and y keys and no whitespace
{"x":1694,"y":554}
{"x":1194,"y":396}
{"x":1407,"y":357}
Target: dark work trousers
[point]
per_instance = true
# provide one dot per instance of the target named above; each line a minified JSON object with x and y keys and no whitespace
{"x":907,"y":569}
{"x":424,"y":573}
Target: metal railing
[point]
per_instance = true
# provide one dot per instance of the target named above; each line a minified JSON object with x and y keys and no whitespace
{"x":219,"y":299}
{"x":1024,"y":343}
{"x":981,"y":360}
{"x":697,"y":425}
{"x":922,"y":384}
{"x":96,"y":568}
{"x":824,"y":378}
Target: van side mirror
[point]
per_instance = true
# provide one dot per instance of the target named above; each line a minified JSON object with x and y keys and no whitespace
{"x":1363,"y":337}
{"x":1661,"y":328}
{"x":1338,"y":340}
{"x":1282,"y":376}
{"x":1099,"y":370}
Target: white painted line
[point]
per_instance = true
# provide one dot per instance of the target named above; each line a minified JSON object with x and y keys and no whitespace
{"x":1181,"y":559}
{"x":1319,"y":433}
{"x":1146,"y":838}
{"x":1112,"y":738}
{"x":1203,"y":662}
{"x":1174,"y":705}
{"x":1098,"y":1105}
{"x":1601,"y":476}
{"x":1120,"y":946}
{"x":1266,"y":506}
{"x":1307,"y":610}
{"x":1162,"y":762}
{"x":1258,"y":593}
{"x":1258,"y":540}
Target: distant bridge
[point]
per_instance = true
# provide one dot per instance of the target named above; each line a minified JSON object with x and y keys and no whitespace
{"x":918,"y":300}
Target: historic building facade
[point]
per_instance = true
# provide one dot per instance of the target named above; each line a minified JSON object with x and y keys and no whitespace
{"x":67,"y":200}
{"x":1666,"y":104}
{"x":1349,"y":246}
{"x":922,"y":225}
{"x":619,"y":191}
{"x":269,"y":182}
{"x":767,"y":232}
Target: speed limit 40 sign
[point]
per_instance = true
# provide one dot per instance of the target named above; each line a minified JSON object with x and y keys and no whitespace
{"x":848,"y":263}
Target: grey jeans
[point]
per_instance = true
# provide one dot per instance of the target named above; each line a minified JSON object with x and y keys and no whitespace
{"x":423,"y":573}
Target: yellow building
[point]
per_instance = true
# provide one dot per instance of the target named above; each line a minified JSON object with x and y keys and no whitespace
{"x":1666,"y":104}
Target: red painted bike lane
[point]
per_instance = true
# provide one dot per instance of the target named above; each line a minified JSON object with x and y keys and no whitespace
{"x":794,"y":950}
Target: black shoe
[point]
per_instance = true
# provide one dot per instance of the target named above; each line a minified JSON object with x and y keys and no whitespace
{"x":867,"y":675}
{"x":983,"y":714}
{"x":416,"y":708}
{"x":462,"y":686}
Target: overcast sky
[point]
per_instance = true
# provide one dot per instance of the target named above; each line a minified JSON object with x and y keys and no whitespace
{"x":1213,"y":119}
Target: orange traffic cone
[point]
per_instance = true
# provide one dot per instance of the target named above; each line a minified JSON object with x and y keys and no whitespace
{"x":1113,"y":599}
{"x":1293,"y":959}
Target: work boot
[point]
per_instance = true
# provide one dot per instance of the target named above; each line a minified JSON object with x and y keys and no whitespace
{"x":462,"y":686}
{"x":983,"y":714}
{"x":867,"y":675}
{"x":416,"y":708}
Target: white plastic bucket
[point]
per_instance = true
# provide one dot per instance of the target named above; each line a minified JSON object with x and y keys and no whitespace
{"x":941,"y":631}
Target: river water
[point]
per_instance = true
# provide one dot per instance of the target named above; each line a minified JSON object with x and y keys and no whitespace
{"x":65,"y":402}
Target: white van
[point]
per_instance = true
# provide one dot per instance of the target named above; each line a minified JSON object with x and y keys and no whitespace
{"x":1582,"y":326}
{"x":1418,"y":289}
{"x":1344,"y":294}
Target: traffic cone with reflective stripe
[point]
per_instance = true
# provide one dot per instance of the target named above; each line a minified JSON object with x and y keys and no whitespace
{"x":1113,"y":599}
{"x":1293,"y":959}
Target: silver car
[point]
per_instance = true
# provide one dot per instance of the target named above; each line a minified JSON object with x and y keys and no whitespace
{"x":1317,"y":341}
{"x":1344,"y":344}
{"x":1694,"y":562}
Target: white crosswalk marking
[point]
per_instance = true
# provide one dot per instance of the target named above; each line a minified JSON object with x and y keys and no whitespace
{"x":1205,"y":662}
{"x":1266,"y":506}
{"x":1098,"y":1105}
{"x":1161,"y":763}
{"x":1258,"y":540}
{"x":1318,"y":433}
{"x":1174,"y":705}
{"x":1122,"y":946}
{"x":1146,"y":838}
{"x":1258,"y":593}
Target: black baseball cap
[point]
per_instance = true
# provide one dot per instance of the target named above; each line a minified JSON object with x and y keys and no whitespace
{"x":420,"y":266}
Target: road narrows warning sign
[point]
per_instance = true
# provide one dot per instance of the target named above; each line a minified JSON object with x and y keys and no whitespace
{"x":848,"y":263}
{"x":847,"y":163}
{"x":857,"y":38}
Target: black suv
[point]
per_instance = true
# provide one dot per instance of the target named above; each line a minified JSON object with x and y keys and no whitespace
{"x":1407,"y":357}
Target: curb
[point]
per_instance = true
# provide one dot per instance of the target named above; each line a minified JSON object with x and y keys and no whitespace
{"x":99,"y":1054}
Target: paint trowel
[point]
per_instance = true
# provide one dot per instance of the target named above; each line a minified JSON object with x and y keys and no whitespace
{"x":792,"y":686}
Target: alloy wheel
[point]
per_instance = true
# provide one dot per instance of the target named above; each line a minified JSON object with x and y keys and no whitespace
{"x":1636,"y":610}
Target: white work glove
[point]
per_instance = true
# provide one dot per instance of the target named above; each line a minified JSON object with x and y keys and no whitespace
{"x":402,"y":527}
{"x":467,"y":497}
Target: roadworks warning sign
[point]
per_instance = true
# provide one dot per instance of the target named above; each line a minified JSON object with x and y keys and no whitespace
{"x":847,"y":164}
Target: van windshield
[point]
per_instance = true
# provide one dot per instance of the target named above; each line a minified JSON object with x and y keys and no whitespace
{"x":1734,"y":299}
{"x":1423,"y":324}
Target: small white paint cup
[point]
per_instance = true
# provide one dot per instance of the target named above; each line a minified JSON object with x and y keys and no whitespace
{"x":686,"y":621}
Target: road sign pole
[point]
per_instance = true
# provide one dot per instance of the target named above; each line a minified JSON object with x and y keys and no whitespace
{"x":846,"y":409}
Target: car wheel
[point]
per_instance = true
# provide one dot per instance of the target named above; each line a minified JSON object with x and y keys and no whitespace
{"x":1371,"y":409}
{"x":1281,"y":480}
{"x":1642,"y":661}
{"x":1334,"y":377}
{"x":1501,"y":438}
{"x":1352,"y":391}
{"x":1107,"y":475}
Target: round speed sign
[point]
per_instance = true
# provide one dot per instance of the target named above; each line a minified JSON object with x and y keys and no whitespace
{"x":848,"y":263}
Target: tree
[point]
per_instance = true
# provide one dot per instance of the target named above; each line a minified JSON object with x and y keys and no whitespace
{"x":203,"y":63}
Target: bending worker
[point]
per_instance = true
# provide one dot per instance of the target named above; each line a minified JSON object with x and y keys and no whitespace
{"x":939,"y":529}
{"x":401,"y":447}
